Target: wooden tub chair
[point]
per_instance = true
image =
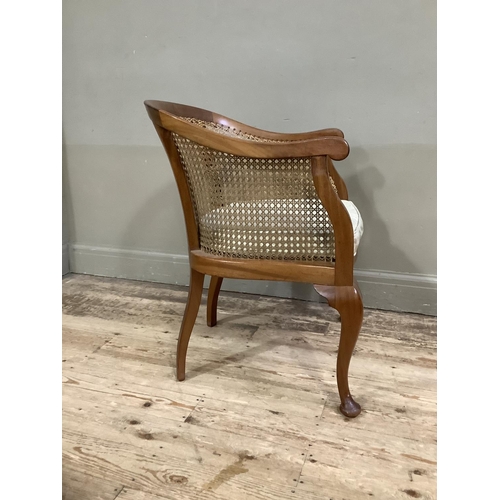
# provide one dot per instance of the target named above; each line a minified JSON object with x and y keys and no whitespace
{"x":263,"y":206}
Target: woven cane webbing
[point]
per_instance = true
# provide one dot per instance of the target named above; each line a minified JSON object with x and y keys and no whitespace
{"x":256,"y":208}
{"x":233,"y":132}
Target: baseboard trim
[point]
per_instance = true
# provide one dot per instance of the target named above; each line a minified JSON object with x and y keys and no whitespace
{"x":386,"y":290}
{"x":65,"y":258}
{"x":405,"y":292}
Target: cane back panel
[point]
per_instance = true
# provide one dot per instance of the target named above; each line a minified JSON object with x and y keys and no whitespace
{"x":254,"y":208}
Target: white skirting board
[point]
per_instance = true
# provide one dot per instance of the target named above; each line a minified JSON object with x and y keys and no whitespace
{"x":390,"y":291}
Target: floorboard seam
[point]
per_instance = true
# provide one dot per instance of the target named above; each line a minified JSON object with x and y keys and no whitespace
{"x":101,"y":346}
{"x":306,"y":454}
{"x":302,"y":468}
{"x":121,"y":489}
{"x":323,"y":410}
{"x":187,"y":419}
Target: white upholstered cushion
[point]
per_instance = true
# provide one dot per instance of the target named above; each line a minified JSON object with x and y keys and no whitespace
{"x":297,"y":229}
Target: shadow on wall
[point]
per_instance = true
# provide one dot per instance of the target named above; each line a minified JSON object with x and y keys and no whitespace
{"x":364,"y":180}
{"x":363,"y":183}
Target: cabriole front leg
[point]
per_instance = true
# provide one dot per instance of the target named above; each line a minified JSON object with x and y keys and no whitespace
{"x":351,"y":312}
{"x":347,"y":301}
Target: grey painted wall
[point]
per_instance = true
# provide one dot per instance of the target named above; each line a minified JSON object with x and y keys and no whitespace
{"x":366,"y":67}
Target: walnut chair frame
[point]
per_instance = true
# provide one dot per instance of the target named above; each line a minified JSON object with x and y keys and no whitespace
{"x":333,"y":279}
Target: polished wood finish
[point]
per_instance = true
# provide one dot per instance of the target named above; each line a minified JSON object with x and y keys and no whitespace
{"x":270,"y":270}
{"x":154,"y":107}
{"x":339,"y":217}
{"x":334,"y":146}
{"x":312,"y":144}
{"x":339,"y":182}
{"x":257,"y":417}
{"x":192,"y":306}
{"x":182,"y":185}
{"x":212,"y":299}
{"x":322,"y":147}
{"x":347,"y":300}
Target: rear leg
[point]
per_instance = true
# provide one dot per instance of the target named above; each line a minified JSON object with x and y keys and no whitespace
{"x":213,"y":297}
{"x":190,"y":313}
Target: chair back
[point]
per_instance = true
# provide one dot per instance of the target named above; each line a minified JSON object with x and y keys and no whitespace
{"x":242,"y":206}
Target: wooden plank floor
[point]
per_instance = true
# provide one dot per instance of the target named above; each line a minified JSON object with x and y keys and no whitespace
{"x":257,"y":416}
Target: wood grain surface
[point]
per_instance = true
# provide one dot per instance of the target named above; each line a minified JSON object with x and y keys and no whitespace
{"x":257,"y":416}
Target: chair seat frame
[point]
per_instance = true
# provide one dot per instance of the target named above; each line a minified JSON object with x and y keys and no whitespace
{"x":333,"y":280}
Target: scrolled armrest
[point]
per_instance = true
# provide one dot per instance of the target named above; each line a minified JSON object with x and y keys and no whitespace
{"x":334,"y":146}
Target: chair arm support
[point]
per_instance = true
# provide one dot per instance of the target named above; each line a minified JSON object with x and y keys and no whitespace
{"x":339,"y":182}
{"x":339,"y":217}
